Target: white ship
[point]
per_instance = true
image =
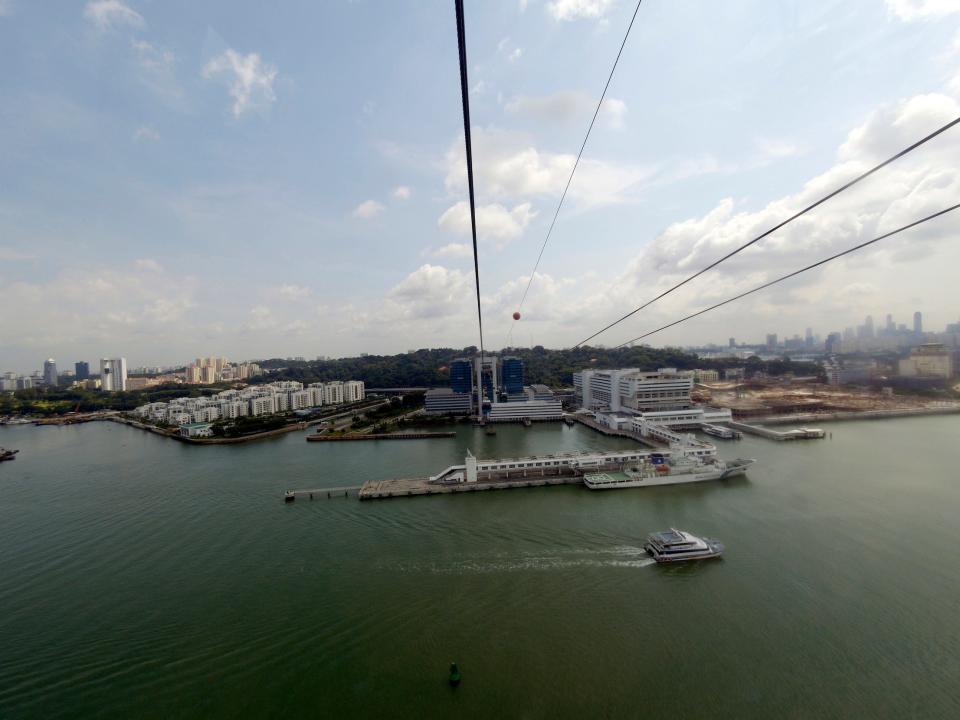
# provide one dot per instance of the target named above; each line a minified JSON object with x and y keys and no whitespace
{"x":659,"y":469}
{"x":678,"y":545}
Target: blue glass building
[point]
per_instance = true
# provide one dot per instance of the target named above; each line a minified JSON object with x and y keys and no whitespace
{"x":512,"y":375}
{"x":461,"y":375}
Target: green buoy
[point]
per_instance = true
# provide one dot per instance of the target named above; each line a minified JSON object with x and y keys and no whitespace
{"x":454,"y":674}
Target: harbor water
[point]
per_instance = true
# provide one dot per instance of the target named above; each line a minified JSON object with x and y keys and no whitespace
{"x":141,"y":577}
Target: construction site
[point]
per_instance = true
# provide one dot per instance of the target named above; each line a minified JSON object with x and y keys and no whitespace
{"x":777,"y":397}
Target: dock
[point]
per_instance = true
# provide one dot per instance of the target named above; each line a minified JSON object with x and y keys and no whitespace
{"x":778,"y":435}
{"x":380,"y":436}
{"x":409,"y":487}
{"x":318,"y":493}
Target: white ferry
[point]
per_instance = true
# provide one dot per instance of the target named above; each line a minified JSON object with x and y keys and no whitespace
{"x":678,"y":545}
{"x":658,"y":469}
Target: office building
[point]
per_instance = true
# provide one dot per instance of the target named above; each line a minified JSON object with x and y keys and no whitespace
{"x":918,"y":322}
{"x":632,"y":390}
{"x":50,"y":373}
{"x":461,"y":375}
{"x":511,"y":373}
{"x":81,"y":370}
{"x":444,"y":401}
{"x":771,"y":341}
{"x":113,"y":374}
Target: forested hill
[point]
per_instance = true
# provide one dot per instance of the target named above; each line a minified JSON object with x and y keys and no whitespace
{"x":430,"y":368}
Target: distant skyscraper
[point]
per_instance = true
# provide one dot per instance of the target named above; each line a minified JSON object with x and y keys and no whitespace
{"x":771,"y":341}
{"x":918,"y":322}
{"x":732,"y":342}
{"x":808,"y":338}
{"x":81,"y":370}
{"x":868,"y":327}
{"x":890,"y":326}
{"x":832,"y":344}
{"x":848,"y":333}
{"x":50,"y":373}
{"x":113,"y":374}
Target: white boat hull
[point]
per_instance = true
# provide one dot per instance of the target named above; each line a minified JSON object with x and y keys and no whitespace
{"x":738,"y":467}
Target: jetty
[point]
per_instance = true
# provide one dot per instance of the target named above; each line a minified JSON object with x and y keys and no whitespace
{"x":318,"y":493}
{"x":779,"y":435}
{"x":318,"y":437}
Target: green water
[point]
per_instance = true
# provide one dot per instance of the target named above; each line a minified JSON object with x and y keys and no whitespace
{"x":143,"y":578}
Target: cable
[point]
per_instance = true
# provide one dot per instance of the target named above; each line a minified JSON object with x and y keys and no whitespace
{"x":577,"y":161}
{"x":465,"y":99}
{"x":793,"y":274}
{"x":790,"y":219}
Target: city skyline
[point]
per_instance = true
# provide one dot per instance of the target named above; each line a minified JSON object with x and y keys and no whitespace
{"x":205,"y":140}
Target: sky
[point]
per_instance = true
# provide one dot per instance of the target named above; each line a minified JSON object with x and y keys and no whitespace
{"x":256,"y":180}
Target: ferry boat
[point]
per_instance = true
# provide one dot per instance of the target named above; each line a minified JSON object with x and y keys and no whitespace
{"x":678,"y":545}
{"x":721,"y":432}
{"x":656,"y":469}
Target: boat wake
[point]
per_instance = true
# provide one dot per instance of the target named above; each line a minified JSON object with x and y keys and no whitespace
{"x":623,"y":556}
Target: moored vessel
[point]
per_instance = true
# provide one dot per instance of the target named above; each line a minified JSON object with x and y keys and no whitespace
{"x":679,"y":545}
{"x":8,"y":454}
{"x":660,"y":469}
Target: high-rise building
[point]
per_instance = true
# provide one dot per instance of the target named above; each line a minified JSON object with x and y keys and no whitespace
{"x":890,"y":327}
{"x":81,"y":370}
{"x":488,"y":369}
{"x":868,"y":327}
{"x":732,"y":342}
{"x":461,"y":375}
{"x":808,"y":338}
{"x":832,"y":344}
{"x":113,"y":374}
{"x":771,"y":341}
{"x":918,"y":322}
{"x":50,"y":373}
{"x":511,"y":373}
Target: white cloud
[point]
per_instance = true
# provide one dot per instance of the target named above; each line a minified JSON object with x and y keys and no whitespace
{"x":494,"y":222}
{"x":293,"y":292}
{"x":430,"y":292}
{"x":367,"y":209}
{"x":507,"y":165}
{"x":148,"y":265}
{"x":157,"y":69}
{"x":515,"y":54}
{"x":107,"y":14}
{"x":402,"y":192}
{"x":909,"y":10}
{"x":249,"y":80}
{"x":567,"y":106}
{"x":146,"y":133}
{"x":775,"y":149}
{"x":574,"y":9}
{"x":451,"y":250}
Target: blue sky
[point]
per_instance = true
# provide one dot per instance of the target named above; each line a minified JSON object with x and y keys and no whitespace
{"x":184,"y":179}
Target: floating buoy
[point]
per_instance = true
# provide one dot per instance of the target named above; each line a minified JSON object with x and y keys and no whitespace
{"x":516,"y":316}
{"x":454,"y":674}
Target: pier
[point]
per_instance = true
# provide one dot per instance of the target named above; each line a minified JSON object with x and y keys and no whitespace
{"x":318,"y":493}
{"x":779,"y":435}
{"x":380,"y":436}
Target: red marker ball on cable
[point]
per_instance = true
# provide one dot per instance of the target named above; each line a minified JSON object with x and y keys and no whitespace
{"x":516,"y":316}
